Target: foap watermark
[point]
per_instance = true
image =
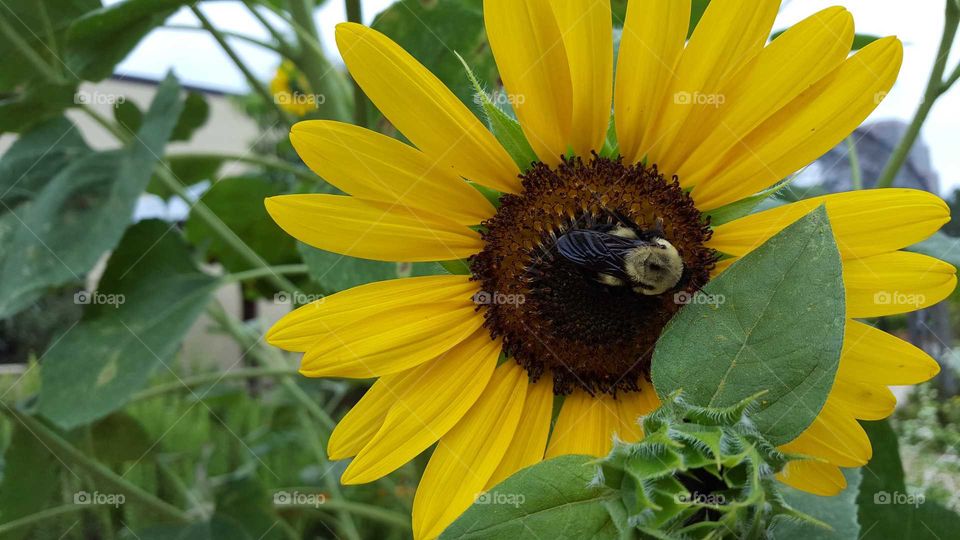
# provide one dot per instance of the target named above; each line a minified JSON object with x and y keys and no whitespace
{"x":297,"y":298}
{"x":500,"y":99}
{"x":82,"y":97}
{"x":496,"y":497}
{"x":886,"y":497}
{"x":486,"y":298}
{"x":705,"y":499}
{"x":699,"y":98}
{"x":698,"y":298}
{"x":99,"y":499}
{"x":299,"y":98}
{"x":96,"y":298}
{"x":298,"y":498}
{"x":897,"y":298}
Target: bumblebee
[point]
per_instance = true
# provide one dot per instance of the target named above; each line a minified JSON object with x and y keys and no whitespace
{"x":621,"y":254}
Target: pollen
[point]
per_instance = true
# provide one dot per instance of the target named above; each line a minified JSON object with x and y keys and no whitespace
{"x":566,"y":322}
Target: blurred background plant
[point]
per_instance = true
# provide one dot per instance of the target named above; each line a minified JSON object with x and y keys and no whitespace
{"x":138,"y":397}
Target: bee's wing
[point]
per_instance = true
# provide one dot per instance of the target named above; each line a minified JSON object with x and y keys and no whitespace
{"x":596,"y":251}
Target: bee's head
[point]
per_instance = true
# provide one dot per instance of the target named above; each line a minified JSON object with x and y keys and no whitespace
{"x":655,"y":268}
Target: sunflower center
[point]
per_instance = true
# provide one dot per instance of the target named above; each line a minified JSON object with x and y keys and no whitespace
{"x":558,"y":315}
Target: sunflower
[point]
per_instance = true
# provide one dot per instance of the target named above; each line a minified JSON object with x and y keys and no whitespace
{"x":291,"y":90}
{"x":475,"y":363}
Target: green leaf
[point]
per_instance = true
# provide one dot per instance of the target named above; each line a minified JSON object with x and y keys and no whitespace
{"x":120,"y":438}
{"x":941,"y":246}
{"x":887,"y":508}
{"x":335,"y":272}
{"x":35,"y":103}
{"x":194,"y":115}
{"x":81,"y":213}
{"x":128,"y":115}
{"x":36,"y":157}
{"x":773,"y":321}
{"x":556,"y":498}
{"x":238,"y":202}
{"x":40,"y":25}
{"x":148,"y":297}
{"x":434,"y":32}
{"x":839,"y":512}
{"x":31,"y":479}
{"x":100,"y":39}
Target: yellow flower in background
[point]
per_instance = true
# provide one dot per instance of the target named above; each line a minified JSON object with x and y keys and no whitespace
{"x":700,"y":124}
{"x":291,"y":90}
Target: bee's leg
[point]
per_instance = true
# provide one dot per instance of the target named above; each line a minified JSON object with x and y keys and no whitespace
{"x":607,"y":279}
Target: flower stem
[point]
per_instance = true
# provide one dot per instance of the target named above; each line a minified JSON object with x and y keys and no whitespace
{"x":856,"y":172}
{"x":253,"y":159}
{"x":69,"y":454}
{"x":256,"y":273}
{"x":39,"y":517}
{"x":210,"y":378}
{"x":284,"y":47}
{"x":355,"y":14}
{"x":252,"y":80}
{"x":324,"y":79}
{"x":936,"y":86}
{"x":252,"y":40}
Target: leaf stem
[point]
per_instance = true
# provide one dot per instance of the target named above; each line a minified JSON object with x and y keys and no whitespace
{"x":210,"y":378}
{"x":252,"y":40}
{"x":856,"y":172}
{"x":253,"y":159}
{"x":256,"y":273}
{"x":389,"y":517}
{"x":66,"y":452}
{"x":355,"y":14}
{"x":284,"y":47}
{"x":252,"y":80}
{"x":41,"y":516}
{"x":935,"y":88}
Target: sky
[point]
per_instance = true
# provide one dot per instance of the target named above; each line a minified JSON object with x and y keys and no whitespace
{"x":199,"y":61}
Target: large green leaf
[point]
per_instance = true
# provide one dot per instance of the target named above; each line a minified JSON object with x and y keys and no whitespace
{"x":31,"y":479}
{"x":40,"y":26}
{"x":100,"y":39}
{"x":887,"y":508}
{"x":435,"y":32}
{"x":772,"y":322}
{"x":157,"y":293}
{"x":839,"y":512}
{"x":80,"y":213}
{"x":34,"y":103}
{"x":552,"y":499}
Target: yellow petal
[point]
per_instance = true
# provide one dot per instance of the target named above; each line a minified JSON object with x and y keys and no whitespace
{"x":302,"y":327}
{"x":730,"y":33}
{"x":896,"y":282}
{"x":871,"y":355}
{"x":375,"y":167}
{"x":863,"y":400}
{"x":532,"y":59}
{"x":390,"y":342}
{"x":631,"y":407}
{"x":448,"y":386}
{"x":836,"y":436}
{"x":467,"y":456}
{"x":585,"y":426}
{"x":653,"y":36}
{"x":418,"y":104}
{"x":530,"y":440}
{"x":814,"y":477}
{"x":792,"y":63}
{"x":362,"y":421}
{"x":371,"y":230}
{"x":810,"y":125}
{"x":588,"y":39}
{"x":864,"y":223}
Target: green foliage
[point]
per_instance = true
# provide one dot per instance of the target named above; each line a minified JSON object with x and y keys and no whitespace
{"x":839,"y":512}
{"x":151,"y":294}
{"x":772,"y":322}
{"x":30,"y":480}
{"x":698,"y":473}
{"x":885,"y":503}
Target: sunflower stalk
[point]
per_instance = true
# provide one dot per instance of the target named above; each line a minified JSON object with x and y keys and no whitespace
{"x":699,"y":472}
{"x":936,"y":87}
